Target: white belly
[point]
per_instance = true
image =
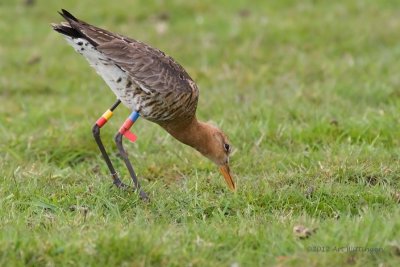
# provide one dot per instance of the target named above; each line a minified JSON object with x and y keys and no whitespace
{"x":115,"y":78}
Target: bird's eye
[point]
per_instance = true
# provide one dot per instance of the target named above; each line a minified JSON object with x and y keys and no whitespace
{"x":227,"y":147}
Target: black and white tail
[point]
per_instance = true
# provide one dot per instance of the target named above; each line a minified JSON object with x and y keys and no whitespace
{"x":85,"y":39}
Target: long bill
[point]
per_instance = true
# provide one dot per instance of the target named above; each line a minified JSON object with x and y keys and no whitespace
{"x":226,"y":172}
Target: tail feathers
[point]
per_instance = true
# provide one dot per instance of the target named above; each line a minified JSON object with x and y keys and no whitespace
{"x":73,"y":27}
{"x":66,"y":30}
{"x":68,"y":16}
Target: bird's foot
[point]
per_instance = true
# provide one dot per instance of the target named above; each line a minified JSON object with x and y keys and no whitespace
{"x":120,"y":185}
{"x":143,"y":196}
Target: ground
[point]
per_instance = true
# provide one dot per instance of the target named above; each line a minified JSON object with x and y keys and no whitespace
{"x":308,"y":92}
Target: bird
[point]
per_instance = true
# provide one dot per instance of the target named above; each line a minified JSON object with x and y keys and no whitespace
{"x":153,"y":86}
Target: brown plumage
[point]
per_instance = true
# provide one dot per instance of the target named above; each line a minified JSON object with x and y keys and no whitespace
{"x":148,"y":81}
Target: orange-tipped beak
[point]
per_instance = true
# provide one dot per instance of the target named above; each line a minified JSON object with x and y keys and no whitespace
{"x":226,"y":172}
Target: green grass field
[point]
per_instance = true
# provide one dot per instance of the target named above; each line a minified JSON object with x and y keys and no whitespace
{"x":308,"y":91}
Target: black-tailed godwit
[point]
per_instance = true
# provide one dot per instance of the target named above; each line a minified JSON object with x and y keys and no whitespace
{"x":151,"y":84}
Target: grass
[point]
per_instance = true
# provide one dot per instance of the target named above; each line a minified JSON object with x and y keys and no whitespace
{"x":307,"y":91}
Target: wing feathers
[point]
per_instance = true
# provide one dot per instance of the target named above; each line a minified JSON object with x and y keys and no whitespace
{"x":147,"y":66}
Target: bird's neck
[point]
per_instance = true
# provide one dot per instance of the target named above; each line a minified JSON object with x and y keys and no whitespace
{"x":191,"y":132}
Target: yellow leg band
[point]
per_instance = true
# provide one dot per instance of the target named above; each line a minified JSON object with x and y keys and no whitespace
{"x":107,"y":115}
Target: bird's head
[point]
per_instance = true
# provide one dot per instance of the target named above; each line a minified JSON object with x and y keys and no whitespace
{"x":216,"y":147}
{"x":209,"y":140}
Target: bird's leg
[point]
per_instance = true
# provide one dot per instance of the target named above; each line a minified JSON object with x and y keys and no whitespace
{"x":124,"y":131}
{"x":96,"y":134}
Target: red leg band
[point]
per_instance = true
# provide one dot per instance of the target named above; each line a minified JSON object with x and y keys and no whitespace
{"x":124,"y":130}
{"x":101,"y":121}
{"x":126,"y":126}
{"x":130,"y":136}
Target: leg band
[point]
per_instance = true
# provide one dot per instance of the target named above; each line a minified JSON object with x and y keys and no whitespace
{"x":104,"y":118}
{"x":124,"y":130}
